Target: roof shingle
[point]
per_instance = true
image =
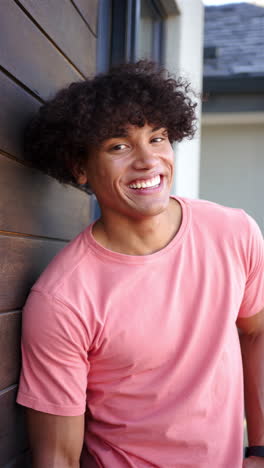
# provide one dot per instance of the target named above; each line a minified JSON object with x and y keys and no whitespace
{"x":237,"y":33}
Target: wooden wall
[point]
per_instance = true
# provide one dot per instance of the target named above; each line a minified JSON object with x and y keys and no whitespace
{"x":45,"y":44}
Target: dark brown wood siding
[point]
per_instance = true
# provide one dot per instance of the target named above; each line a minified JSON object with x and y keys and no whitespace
{"x":44,"y":46}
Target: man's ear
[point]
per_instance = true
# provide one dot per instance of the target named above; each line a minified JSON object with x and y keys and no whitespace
{"x":80,"y":175}
{"x":82,"y":178}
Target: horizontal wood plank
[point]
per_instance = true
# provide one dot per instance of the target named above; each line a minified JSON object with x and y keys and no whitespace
{"x":13,"y":437}
{"x":22,"y":261}
{"x":29,"y":56}
{"x":89,"y":11}
{"x":64,"y":25}
{"x":22,"y":461}
{"x":36,"y":204}
{"x":16,"y":109}
{"x":10,"y":332}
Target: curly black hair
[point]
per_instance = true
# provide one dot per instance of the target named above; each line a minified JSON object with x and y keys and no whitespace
{"x":85,"y":113}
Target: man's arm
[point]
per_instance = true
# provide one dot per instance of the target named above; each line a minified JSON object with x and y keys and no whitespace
{"x":252,"y":347}
{"x":55,"y":441}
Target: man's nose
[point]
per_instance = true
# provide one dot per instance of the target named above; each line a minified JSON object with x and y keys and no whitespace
{"x":144,"y":158}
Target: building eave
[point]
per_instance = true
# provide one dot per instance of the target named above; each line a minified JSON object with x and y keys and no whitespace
{"x":234,"y":84}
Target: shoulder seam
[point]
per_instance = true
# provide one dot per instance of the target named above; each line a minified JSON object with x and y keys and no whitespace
{"x":52,"y":296}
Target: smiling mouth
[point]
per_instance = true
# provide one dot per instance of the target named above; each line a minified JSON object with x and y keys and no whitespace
{"x":154,"y":182}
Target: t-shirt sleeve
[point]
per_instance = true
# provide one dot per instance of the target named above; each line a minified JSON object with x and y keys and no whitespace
{"x":253,"y":299}
{"x":55,"y":362}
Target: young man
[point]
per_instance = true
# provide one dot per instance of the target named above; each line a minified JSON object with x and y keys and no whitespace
{"x":131,"y":355}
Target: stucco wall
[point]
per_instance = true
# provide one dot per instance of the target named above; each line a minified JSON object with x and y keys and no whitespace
{"x":232,"y":165}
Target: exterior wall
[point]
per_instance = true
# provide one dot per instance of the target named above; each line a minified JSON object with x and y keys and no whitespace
{"x":232,"y":163}
{"x":184,"y":56}
{"x":38,"y":215}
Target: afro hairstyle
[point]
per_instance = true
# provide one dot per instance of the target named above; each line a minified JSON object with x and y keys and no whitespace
{"x":82,"y":115}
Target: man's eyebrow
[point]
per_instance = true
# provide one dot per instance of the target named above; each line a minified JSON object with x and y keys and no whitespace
{"x":125,"y":132}
{"x":155,"y":129}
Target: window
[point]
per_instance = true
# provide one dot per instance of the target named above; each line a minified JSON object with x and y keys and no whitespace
{"x":137,"y":30}
{"x":150,"y":34}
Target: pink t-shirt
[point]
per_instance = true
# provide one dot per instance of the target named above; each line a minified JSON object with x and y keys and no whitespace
{"x":147,"y":345}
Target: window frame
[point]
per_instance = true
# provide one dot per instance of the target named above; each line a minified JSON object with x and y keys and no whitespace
{"x":125,"y":31}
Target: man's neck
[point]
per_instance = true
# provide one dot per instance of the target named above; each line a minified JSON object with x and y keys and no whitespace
{"x":144,"y":237}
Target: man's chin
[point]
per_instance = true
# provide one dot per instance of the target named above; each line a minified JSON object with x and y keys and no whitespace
{"x":150,"y":210}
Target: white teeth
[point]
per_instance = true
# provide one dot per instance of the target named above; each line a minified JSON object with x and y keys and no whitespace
{"x":146,"y":183}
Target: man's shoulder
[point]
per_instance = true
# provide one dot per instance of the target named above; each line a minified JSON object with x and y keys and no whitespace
{"x":212,"y":212}
{"x":232,"y":228}
{"x":69,"y":263}
{"x":222,"y":224}
{"x":208,"y":205}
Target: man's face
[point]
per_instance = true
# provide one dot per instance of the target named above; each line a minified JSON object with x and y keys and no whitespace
{"x":131,"y":174}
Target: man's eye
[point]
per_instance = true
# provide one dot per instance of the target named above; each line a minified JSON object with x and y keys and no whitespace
{"x":118,"y":147}
{"x":157,"y":139}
